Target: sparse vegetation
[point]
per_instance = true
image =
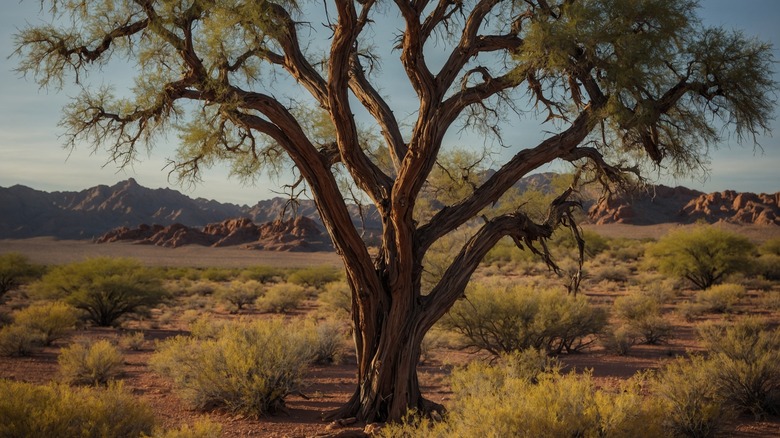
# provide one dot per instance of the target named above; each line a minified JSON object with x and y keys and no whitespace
{"x":248,"y":367}
{"x":90,"y":363}
{"x":316,"y":276}
{"x":57,"y":410}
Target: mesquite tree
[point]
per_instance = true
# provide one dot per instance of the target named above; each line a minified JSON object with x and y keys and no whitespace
{"x":614,"y":84}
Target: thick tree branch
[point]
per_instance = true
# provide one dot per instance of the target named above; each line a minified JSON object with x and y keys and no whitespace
{"x":491,"y":190}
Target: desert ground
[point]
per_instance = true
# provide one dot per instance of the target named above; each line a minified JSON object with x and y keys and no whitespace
{"x":327,"y":386}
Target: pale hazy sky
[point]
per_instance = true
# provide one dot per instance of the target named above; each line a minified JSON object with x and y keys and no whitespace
{"x":31,"y":151}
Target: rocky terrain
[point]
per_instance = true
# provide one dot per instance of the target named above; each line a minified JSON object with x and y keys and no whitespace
{"x":661,"y":204}
{"x":91,"y":213}
{"x":298,"y":234}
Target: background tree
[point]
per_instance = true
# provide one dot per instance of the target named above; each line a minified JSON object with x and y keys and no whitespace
{"x":107,"y":289}
{"x":704,"y":255}
{"x":15,"y":270}
{"x":618,"y":84}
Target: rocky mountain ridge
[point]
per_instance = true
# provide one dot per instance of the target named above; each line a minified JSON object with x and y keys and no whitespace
{"x":296,"y":234}
{"x":90,"y":213}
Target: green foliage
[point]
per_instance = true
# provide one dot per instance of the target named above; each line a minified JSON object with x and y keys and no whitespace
{"x":107,"y":289}
{"x":692,"y":406}
{"x":247,"y":367}
{"x":704,"y":255}
{"x":336,"y":298}
{"x":281,"y":298}
{"x":620,"y":339}
{"x":768,"y":265}
{"x":513,"y":399}
{"x":770,"y":247}
{"x":745,"y":359}
{"x":15,"y":270}
{"x":57,"y":410}
{"x":85,"y":363}
{"x":721,"y":298}
{"x":52,"y":320}
{"x":239,"y":294}
{"x":315,"y":276}
{"x":501,"y":318}
{"x":641,"y":313}
{"x":202,"y":428}
{"x":218,"y":274}
{"x":16,"y":340}
{"x":132,"y":341}
{"x":263,"y":274}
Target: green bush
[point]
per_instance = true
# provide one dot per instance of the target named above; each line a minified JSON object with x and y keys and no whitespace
{"x":336,"y":298}
{"x":132,"y":341}
{"x":641,"y":313}
{"x":620,"y":339}
{"x":218,"y":274}
{"x":692,"y":406}
{"x":770,"y":247}
{"x":201,"y":429}
{"x":501,"y":318}
{"x":263,"y":274}
{"x":15,"y":270}
{"x":239,"y":294}
{"x":768,"y":266}
{"x":247,"y":367}
{"x":721,"y":298}
{"x":315,"y":276}
{"x":16,"y":340}
{"x":95,"y":363}
{"x":52,"y":320}
{"x":107,"y":289}
{"x":56,"y":410}
{"x":328,"y":340}
{"x":704,"y":255}
{"x":746,"y":363}
{"x":505,"y":400}
{"x":281,"y":298}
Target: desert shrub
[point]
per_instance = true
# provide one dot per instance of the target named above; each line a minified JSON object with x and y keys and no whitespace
{"x":202,"y":428}
{"x":336,"y":297}
{"x":239,"y":294}
{"x":132,"y":341}
{"x":315,"y":276}
{"x":57,"y":410}
{"x":502,"y":400}
{"x":770,"y":247}
{"x":107,"y":289}
{"x":506,"y":251}
{"x":52,"y":320}
{"x":281,"y":298}
{"x":620,"y":339}
{"x":721,"y":298}
{"x":328,"y":340}
{"x":503,"y":318}
{"x":15,"y":270}
{"x":248,"y":367}
{"x":768,"y":266}
{"x":704,"y":255}
{"x":85,"y":363}
{"x":746,"y":363}
{"x":5,"y":319}
{"x":263,"y":274}
{"x":218,"y":274}
{"x":692,"y":406}
{"x":16,"y":340}
{"x":641,"y":313}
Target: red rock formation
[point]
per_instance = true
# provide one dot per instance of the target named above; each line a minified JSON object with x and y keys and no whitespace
{"x":299,"y":234}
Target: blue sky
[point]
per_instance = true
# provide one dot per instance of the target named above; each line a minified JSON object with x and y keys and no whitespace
{"x":31,"y":150}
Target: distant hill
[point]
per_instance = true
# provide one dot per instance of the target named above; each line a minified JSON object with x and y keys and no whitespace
{"x":90,"y":213}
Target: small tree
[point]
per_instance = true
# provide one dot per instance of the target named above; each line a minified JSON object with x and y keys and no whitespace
{"x":106,"y":289}
{"x":15,"y":270}
{"x":704,"y":255}
{"x":240,"y":293}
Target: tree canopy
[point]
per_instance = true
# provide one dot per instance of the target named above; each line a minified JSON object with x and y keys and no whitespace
{"x":262,"y":84}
